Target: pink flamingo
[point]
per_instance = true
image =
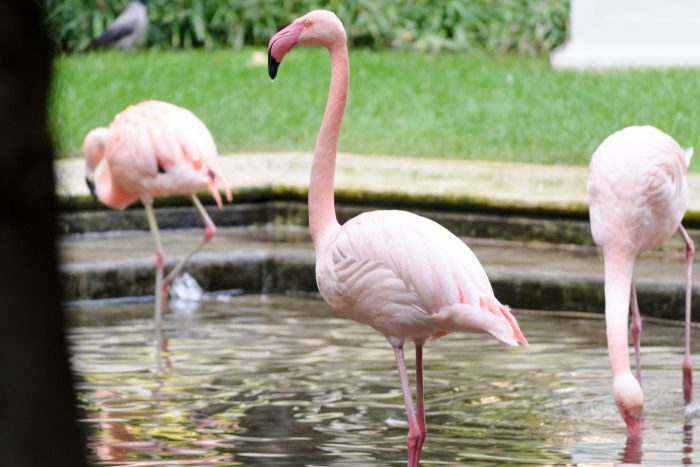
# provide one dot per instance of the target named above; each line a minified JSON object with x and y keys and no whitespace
{"x":638,"y":193}
{"x":154,"y":148}
{"x":402,"y":274}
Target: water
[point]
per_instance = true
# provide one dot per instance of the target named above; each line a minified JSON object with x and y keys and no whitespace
{"x":278,"y":380}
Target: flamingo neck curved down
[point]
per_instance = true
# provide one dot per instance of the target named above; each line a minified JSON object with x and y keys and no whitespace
{"x":618,"y":283}
{"x":321,"y":186}
{"x":109,"y":192}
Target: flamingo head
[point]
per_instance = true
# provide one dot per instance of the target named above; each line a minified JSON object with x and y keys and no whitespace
{"x":94,"y":151}
{"x":317,"y":28}
{"x":630,"y":402}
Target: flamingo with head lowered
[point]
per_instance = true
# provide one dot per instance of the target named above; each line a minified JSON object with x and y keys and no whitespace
{"x":154,"y":148}
{"x":402,"y":274}
{"x":638,"y":194}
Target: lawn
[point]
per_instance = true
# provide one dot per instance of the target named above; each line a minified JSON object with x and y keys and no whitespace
{"x":442,"y":105}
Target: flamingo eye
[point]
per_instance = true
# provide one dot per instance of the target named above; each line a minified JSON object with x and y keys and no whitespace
{"x":306,"y":23}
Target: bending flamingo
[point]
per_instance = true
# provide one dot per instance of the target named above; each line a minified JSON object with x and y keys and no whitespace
{"x":638,"y":193}
{"x":402,"y":274}
{"x":150,"y":149}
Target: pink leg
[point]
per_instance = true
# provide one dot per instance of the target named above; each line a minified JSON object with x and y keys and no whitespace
{"x":413,"y":430}
{"x":161,"y":339}
{"x":687,"y":366}
{"x":420,"y":406}
{"x":636,"y":330}
{"x":209,"y":231}
{"x":160,"y":259}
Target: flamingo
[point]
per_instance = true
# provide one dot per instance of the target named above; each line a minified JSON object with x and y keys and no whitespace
{"x":126,"y":30}
{"x":638,"y":193}
{"x":402,"y":274}
{"x":154,"y":148}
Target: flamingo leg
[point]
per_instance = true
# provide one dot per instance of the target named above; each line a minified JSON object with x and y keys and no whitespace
{"x":687,"y":365}
{"x":413,"y":429}
{"x":420,"y":406}
{"x":636,"y":330}
{"x":160,"y":259}
{"x":161,"y":339}
{"x":209,"y":231}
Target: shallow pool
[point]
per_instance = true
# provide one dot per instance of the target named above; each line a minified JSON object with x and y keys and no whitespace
{"x":277,"y":380}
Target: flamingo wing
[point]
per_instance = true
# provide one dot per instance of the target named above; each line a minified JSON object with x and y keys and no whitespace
{"x":425,"y":257}
{"x":196,"y":148}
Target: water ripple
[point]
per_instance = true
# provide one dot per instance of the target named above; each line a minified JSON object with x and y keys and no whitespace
{"x":277,"y":380}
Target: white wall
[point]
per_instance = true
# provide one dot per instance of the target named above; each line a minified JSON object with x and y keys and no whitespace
{"x":631,"y":33}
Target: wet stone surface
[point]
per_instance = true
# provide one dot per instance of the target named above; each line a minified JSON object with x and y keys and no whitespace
{"x":279,"y":258}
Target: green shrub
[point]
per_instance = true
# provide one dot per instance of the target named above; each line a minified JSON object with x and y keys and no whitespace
{"x":527,"y":27}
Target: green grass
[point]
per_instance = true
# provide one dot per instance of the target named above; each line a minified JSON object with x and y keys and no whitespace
{"x":445,"y":105}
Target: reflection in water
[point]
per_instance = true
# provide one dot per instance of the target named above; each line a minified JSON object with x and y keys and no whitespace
{"x":288,"y":437}
{"x":687,"y":443}
{"x":632,"y":455}
{"x":262,"y":381}
{"x":162,"y":356}
{"x":115,"y":442}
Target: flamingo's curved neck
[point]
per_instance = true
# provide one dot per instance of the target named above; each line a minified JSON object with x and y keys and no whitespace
{"x":94,"y":149}
{"x":321,"y":199}
{"x":618,"y":283}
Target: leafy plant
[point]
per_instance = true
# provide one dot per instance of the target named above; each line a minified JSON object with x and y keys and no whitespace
{"x":526,"y":27}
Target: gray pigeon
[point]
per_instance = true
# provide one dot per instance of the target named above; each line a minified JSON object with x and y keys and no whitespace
{"x":128,"y":28}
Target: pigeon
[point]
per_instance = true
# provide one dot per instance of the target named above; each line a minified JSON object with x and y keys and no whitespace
{"x":128,"y":28}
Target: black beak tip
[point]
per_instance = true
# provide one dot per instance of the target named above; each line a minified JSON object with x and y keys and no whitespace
{"x":91,"y":186}
{"x":272,"y":64}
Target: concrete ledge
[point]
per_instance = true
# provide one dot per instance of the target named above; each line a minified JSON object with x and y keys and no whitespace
{"x":547,"y":189}
{"x":521,"y":225}
{"x":294,"y":272}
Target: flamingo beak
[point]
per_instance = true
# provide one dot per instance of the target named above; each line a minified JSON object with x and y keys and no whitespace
{"x":280,"y":44}
{"x":91,"y":186}
{"x":272,"y":64}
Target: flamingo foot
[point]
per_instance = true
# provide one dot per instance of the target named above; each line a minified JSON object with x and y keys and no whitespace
{"x":414,"y":442}
{"x":419,"y":449}
{"x":209,"y":232}
{"x":687,"y":381}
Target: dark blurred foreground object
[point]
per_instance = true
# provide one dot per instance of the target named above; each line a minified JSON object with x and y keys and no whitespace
{"x":37,"y":404}
{"x":128,"y":28}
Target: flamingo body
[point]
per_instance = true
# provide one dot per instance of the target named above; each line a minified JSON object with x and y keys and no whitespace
{"x":637,"y":189}
{"x":151,"y":149}
{"x":409,"y":278}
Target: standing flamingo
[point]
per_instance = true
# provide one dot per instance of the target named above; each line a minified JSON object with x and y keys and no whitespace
{"x":402,"y":274}
{"x":150,"y":149}
{"x":638,"y":193}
